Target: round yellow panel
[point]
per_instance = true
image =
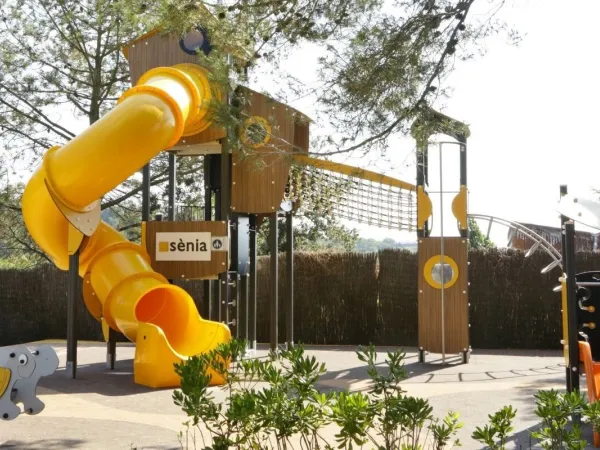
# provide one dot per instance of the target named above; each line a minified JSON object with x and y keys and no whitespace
{"x":255,"y":127}
{"x":430,"y":265}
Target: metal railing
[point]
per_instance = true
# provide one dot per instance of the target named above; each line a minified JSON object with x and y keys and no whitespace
{"x":539,"y":241}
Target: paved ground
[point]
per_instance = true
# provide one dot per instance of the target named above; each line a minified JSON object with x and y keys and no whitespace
{"x":104,"y":409}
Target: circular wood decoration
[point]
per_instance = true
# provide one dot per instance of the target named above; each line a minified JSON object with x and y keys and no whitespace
{"x":433,"y":269}
{"x":256,"y":132}
{"x":195,"y":41}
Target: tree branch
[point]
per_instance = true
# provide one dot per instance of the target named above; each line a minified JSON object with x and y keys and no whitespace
{"x":153,"y":182}
{"x":436,"y":72}
{"x":65,"y":133}
{"x":128,"y":227}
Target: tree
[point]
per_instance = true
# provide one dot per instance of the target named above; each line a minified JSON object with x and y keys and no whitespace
{"x":61,"y":58}
{"x":17,"y":249}
{"x":380,"y":65}
{"x":312,"y":232}
{"x":381,"y":62}
{"x":477,"y":239}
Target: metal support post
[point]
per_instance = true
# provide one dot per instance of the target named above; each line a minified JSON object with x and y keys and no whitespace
{"x":571,"y":286}
{"x":146,"y":193}
{"x":274,"y":251}
{"x":233,"y":312}
{"x":573,"y":335}
{"x":442,"y":258}
{"x":73,"y":296}
{"x":172,"y":186}
{"x":171,"y":190}
{"x":207,"y":309}
{"x":563,"y":220}
{"x":223,"y":297}
{"x":463,"y":175}
{"x":111,"y":349}
{"x":252,"y":284}
{"x":243,"y":309}
{"x":289,"y":310}
{"x":223,"y":204}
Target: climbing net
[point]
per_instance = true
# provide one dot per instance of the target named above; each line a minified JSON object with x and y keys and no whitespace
{"x":353,"y":194}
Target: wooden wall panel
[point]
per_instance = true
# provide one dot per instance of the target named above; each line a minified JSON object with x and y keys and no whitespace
{"x":259,"y":178}
{"x":187,"y":269}
{"x":456,"y":309}
{"x":156,"y":50}
{"x":301,"y":137}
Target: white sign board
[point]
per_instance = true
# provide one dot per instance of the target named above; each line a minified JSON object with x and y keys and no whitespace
{"x":183,"y":246}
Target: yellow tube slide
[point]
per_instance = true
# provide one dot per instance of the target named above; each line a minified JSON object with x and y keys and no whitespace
{"x":160,"y":318}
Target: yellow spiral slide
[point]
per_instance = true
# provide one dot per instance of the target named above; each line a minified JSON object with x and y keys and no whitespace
{"x":63,"y":194}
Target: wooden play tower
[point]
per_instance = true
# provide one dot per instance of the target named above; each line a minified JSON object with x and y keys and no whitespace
{"x":240,"y":192}
{"x":443,"y":284}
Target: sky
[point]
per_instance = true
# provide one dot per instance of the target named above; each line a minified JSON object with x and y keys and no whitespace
{"x":531,"y":111}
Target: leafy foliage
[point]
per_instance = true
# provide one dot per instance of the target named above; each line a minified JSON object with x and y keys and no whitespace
{"x":556,"y":410}
{"x":312,"y":232}
{"x":17,"y":249}
{"x":370,"y":245}
{"x":61,"y":59}
{"x":274,"y":403}
{"x":496,"y":433}
{"x":477,"y":239}
{"x":57,"y":56}
{"x":380,"y":62}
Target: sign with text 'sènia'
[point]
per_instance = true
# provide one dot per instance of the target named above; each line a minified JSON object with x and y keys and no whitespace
{"x":188,"y":246}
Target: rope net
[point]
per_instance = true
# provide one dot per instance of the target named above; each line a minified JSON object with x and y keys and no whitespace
{"x":353,"y":194}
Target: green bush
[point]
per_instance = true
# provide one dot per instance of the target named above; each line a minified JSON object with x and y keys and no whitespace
{"x":273,"y":403}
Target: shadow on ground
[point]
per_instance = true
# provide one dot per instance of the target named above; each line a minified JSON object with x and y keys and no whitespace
{"x":45,"y":444}
{"x":61,"y":444}
{"x":435,"y":372}
{"x":524,"y":441}
{"x":95,"y":378}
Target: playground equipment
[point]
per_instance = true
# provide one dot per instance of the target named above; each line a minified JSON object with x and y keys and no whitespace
{"x":20,"y":372}
{"x":580,"y":292}
{"x":443,"y":260}
{"x":130,"y":288}
{"x":580,"y":300}
{"x":61,"y":209}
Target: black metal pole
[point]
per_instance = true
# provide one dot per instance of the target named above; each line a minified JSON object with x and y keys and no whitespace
{"x":207,"y":310}
{"x":463,"y":175}
{"x":422,"y":172}
{"x":289,"y":310}
{"x":146,"y":193}
{"x":111,"y":349}
{"x":232,"y":303}
{"x":244,"y":309}
{"x":224,"y":204}
{"x":233,"y":312}
{"x":73,"y":296}
{"x":563,"y":220}
{"x":172,"y":186}
{"x":573,"y":333}
{"x":274,"y":250}
{"x":252,"y":284}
